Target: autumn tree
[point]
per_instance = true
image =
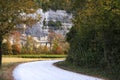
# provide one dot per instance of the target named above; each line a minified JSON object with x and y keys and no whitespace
{"x":9,"y":15}
{"x":6,"y":47}
{"x":51,"y":37}
{"x":29,"y":44}
{"x":55,"y":46}
{"x":16,"y":47}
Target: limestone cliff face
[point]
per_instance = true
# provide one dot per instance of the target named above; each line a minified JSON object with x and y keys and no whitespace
{"x":39,"y":30}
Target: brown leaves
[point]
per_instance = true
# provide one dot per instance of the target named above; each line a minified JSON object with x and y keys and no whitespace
{"x":9,"y":11}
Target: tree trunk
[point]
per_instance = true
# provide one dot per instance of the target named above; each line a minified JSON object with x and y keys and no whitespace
{"x":1,"y":39}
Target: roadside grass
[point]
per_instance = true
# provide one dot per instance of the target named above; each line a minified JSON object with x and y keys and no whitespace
{"x":37,"y":56}
{"x":6,"y":71}
{"x":83,"y":70}
{"x":9,"y":62}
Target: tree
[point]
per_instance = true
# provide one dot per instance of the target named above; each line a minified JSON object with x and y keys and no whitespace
{"x":55,"y":25}
{"x":6,"y":47}
{"x":9,"y":14}
{"x":94,"y":39}
{"x":29,"y":44}
{"x":51,"y":37}
{"x":55,"y":4}
{"x":55,"y":46}
{"x":16,"y":48}
{"x":58,"y":25}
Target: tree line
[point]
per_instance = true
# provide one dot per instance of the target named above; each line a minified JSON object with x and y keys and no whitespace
{"x":95,"y":37}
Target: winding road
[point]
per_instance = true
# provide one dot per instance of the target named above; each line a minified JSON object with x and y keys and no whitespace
{"x":45,"y":70}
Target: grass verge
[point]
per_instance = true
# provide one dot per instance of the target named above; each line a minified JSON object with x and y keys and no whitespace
{"x":82,"y":70}
{"x":6,"y":71}
{"x":9,"y":63}
{"x":36,"y":56}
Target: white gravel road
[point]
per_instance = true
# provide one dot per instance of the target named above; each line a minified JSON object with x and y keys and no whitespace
{"x":44,"y":70}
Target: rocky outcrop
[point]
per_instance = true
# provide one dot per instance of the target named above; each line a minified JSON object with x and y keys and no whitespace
{"x":39,"y":30}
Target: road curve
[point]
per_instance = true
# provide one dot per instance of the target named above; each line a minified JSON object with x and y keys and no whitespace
{"x":45,"y":70}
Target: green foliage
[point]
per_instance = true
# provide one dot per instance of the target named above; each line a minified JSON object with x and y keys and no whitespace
{"x":55,"y":4}
{"x":55,"y":25}
{"x":45,"y":55}
{"x":94,"y":39}
{"x":83,"y":70}
{"x":70,"y":36}
{"x":42,"y":56}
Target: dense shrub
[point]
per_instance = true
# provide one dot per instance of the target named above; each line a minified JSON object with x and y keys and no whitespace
{"x":7,"y":48}
{"x":16,"y":49}
{"x":95,"y":37}
{"x":44,"y":49}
